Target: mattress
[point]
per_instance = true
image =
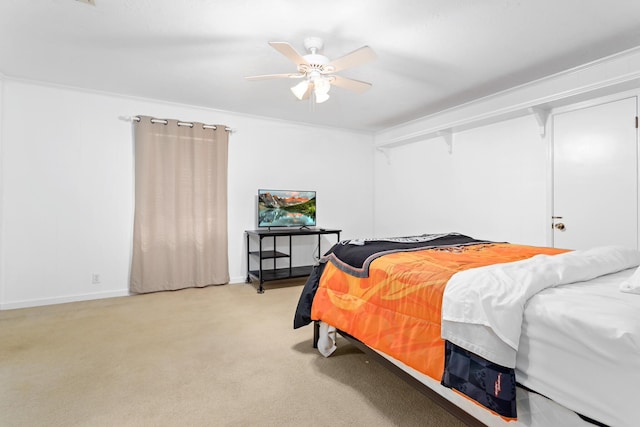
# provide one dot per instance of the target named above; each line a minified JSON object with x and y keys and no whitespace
{"x":588,"y":334}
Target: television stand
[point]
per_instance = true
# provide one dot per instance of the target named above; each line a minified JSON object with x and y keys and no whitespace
{"x":262,"y":275}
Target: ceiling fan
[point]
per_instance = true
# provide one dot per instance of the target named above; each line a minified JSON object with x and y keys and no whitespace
{"x":317,"y":71}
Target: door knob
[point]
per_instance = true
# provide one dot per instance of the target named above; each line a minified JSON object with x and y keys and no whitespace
{"x":559,"y":226}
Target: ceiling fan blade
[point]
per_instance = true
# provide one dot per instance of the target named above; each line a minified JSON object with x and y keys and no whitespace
{"x":276,"y":76}
{"x":287,"y":50}
{"x":357,"y":57}
{"x":351,"y":84}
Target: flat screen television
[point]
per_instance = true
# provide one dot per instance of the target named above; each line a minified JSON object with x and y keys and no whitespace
{"x":286,"y":208}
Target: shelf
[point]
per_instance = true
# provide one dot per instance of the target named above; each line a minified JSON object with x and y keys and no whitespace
{"x":269,"y":254}
{"x":262,"y":274}
{"x":291,"y":231}
{"x":282,"y":273}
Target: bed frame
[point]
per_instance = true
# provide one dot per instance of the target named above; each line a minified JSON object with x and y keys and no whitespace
{"x":441,"y":401}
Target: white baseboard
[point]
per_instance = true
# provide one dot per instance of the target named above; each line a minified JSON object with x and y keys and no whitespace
{"x":83,"y":297}
{"x":237,"y":280}
{"x":62,"y":300}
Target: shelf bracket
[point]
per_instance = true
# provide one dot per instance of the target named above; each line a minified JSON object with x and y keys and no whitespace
{"x":542,"y":117}
{"x":385,"y":151}
{"x":447,"y":135}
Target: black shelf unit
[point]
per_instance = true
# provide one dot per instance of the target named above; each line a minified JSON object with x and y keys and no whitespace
{"x":261,"y":274}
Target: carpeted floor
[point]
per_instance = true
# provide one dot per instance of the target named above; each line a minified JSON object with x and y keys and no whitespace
{"x":218,"y":356}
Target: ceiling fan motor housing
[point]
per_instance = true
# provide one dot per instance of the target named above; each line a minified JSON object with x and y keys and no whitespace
{"x":315,"y":61}
{"x":313,"y":44}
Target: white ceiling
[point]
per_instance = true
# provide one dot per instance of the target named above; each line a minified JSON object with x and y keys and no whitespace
{"x":432,"y":54}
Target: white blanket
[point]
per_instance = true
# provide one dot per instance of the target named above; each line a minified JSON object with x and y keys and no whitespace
{"x":482,"y":308}
{"x":632,"y":285}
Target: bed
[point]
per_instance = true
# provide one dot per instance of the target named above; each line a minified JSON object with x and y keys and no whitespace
{"x":510,"y":334}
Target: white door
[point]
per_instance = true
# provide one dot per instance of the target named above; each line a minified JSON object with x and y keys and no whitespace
{"x":595,"y":176}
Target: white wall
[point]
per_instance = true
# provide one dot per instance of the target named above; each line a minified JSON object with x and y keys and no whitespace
{"x":2,"y":266}
{"x":413,"y":189}
{"x":66,"y":180}
{"x":67,"y":186}
{"x":493,"y":184}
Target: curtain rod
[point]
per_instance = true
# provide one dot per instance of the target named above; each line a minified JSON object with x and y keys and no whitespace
{"x":189,"y":124}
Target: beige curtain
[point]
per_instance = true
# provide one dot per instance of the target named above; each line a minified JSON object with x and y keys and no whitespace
{"x":180,"y":222}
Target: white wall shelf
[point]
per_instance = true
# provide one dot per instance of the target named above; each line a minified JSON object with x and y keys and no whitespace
{"x":606,"y":76}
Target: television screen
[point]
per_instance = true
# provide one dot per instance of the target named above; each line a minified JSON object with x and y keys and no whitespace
{"x":286,"y":208}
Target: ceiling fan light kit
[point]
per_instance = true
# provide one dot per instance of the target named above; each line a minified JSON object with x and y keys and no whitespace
{"x":321,"y":89}
{"x":317,"y":70}
{"x":300,"y":89}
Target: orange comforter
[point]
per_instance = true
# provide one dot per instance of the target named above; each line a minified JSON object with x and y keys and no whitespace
{"x":397,"y":308}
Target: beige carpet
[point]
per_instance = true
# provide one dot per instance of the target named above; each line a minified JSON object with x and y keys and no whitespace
{"x":218,"y":356}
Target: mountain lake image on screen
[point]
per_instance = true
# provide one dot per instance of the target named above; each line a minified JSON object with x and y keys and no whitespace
{"x":286,"y":208}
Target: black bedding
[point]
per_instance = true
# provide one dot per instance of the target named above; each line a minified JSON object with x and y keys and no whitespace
{"x":355,"y":256}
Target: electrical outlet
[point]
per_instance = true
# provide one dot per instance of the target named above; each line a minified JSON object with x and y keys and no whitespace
{"x":95,"y":279}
